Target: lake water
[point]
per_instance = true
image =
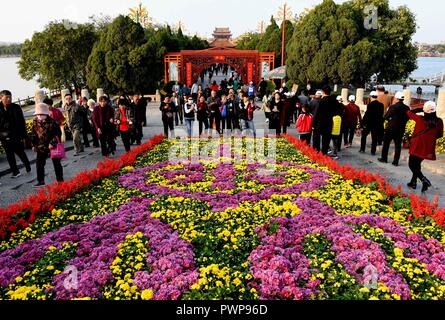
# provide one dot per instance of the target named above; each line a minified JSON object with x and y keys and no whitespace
{"x":11,"y":80}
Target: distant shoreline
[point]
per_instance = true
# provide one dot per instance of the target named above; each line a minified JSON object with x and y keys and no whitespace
{"x":431,"y":55}
{"x":10,"y":56}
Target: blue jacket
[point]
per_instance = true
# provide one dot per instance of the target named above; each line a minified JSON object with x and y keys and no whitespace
{"x":251,"y":90}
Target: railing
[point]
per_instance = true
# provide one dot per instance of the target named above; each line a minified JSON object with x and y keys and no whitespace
{"x":52,"y":93}
{"x":436,"y":78}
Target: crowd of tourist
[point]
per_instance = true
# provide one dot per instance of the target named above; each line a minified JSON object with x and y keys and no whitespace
{"x":323,"y":120}
{"x":104,"y":121}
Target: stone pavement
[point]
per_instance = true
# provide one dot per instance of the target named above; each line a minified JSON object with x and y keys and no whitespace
{"x":401,"y":175}
{"x":12,"y":190}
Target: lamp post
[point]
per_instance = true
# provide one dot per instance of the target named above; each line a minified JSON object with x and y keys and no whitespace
{"x":283,"y":28}
{"x":284,"y":13}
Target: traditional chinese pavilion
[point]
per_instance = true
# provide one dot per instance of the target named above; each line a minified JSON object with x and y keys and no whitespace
{"x":187,"y":65}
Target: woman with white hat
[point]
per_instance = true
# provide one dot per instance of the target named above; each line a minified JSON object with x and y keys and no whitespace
{"x":428,"y":129}
{"x":45,"y":135}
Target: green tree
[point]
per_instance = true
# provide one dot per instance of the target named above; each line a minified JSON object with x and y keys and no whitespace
{"x":331,"y":44}
{"x":57,"y":56}
{"x":271,"y":40}
{"x":248,"y":41}
{"x":123,"y":61}
{"x":10,"y":50}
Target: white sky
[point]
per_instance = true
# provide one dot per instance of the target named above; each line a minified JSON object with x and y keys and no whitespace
{"x":19,"y":19}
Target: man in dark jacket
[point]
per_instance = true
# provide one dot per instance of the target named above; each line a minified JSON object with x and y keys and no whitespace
{"x":397,"y":118}
{"x":167,"y":108}
{"x":140,"y":109}
{"x":322,"y":122}
{"x":75,"y":122}
{"x":13,"y":132}
{"x":215,"y":115}
{"x":103,"y":120}
{"x":372,"y":122}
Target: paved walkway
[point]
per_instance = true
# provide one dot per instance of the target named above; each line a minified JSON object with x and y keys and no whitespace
{"x":12,"y":190}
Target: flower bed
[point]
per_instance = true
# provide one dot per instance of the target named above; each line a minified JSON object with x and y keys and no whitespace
{"x":228,"y":226}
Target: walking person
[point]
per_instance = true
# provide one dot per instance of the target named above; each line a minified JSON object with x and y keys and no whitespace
{"x":190,"y":109}
{"x":352,"y":119}
{"x":46,"y":134}
{"x":139,"y":106}
{"x":225,"y":120}
{"x":262,"y":88}
{"x":247,"y":114}
{"x":194,"y":91}
{"x":124,"y":120}
{"x":427,"y":130}
{"x":103,"y":120}
{"x":251,"y":90}
{"x":233,"y":111}
{"x":276,"y":106}
{"x":214,"y":104}
{"x":13,"y":132}
{"x":315,"y":102}
{"x":167,"y":108}
{"x":84,"y":111}
{"x":372,"y":122}
{"x":397,"y":118}
{"x":322,"y":123}
{"x":267,"y":99}
{"x":203,"y":115}
{"x":90,"y":124}
{"x":75,"y":122}
{"x":304,"y":125}
{"x":178,"y":109}
{"x":57,"y":116}
{"x":386,"y":100}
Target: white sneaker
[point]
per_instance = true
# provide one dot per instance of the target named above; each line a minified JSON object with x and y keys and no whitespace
{"x":267,"y":120}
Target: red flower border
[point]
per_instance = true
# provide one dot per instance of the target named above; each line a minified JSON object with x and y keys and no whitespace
{"x":22,"y":214}
{"x":421,"y":207}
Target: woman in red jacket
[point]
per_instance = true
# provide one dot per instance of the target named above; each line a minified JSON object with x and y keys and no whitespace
{"x":428,"y":129}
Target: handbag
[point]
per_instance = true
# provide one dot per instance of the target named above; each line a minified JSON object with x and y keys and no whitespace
{"x":59,"y":151}
{"x":224,"y":112}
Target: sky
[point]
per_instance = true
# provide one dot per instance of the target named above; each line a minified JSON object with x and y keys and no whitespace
{"x":198,"y":16}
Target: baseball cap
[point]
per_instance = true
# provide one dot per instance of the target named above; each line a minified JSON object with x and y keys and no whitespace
{"x":352,"y":98}
{"x":319,"y":93}
{"x":399,"y":95}
{"x":373,"y":94}
{"x":429,"y":107}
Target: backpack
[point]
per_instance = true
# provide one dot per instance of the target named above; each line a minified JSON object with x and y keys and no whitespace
{"x":304,"y":123}
{"x":336,"y":128}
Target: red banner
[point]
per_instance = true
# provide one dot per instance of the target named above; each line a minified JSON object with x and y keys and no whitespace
{"x":189,"y":74}
{"x":249,"y":72}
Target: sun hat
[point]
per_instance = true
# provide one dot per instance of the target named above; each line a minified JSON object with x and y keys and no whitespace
{"x":351,"y":98}
{"x":399,"y":95}
{"x":42,"y":108}
{"x":429,"y":107}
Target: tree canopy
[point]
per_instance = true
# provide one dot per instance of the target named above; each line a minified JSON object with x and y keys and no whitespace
{"x":57,"y":56}
{"x":10,"y":50}
{"x":270,"y":41}
{"x":129,"y":58}
{"x":331,"y":44}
